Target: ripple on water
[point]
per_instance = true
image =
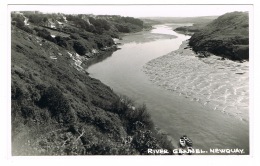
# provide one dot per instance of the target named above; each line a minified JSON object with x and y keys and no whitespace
{"x":214,"y":83}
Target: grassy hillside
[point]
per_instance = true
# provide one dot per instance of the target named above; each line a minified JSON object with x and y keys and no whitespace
{"x":227,"y":36}
{"x":57,"y":109}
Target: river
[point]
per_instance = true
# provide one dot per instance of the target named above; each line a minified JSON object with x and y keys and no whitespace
{"x":175,"y":114}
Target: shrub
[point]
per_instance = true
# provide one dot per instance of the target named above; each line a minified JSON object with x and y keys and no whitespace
{"x":162,"y":140}
{"x":74,"y":36}
{"x":27,"y":29}
{"x":19,"y":21}
{"x":79,"y":47}
{"x":143,"y":140}
{"x":103,"y":41}
{"x":122,"y":28}
{"x":130,"y":116}
{"x":45,"y":34}
{"x":57,"y":104}
{"x":61,"y":41}
{"x":28,"y":112}
{"x":18,"y":92}
{"x":121,"y":105}
{"x":139,"y":114}
{"x":56,"y":143}
{"x":86,"y":35}
{"x":36,"y":18}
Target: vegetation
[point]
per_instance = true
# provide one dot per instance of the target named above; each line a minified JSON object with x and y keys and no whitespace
{"x":18,"y":21}
{"x":45,"y":34}
{"x":190,"y":30}
{"x":104,"y":24}
{"x":58,"y":110}
{"x":227,"y":36}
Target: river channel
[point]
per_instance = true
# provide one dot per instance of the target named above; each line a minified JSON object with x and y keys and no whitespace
{"x":174,"y":114}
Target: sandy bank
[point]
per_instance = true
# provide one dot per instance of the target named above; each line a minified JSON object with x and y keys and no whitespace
{"x":221,"y":85}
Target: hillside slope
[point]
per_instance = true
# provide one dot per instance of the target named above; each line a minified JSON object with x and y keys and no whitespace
{"x":57,"y":109}
{"x":163,"y":20}
{"x":227,"y":36}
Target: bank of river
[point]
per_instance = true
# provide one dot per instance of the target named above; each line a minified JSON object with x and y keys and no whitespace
{"x":175,"y":114}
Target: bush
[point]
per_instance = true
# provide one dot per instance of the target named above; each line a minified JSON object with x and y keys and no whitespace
{"x":17,"y":92}
{"x":36,"y":18}
{"x":122,"y":28}
{"x":103,"y":41}
{"x":139,"y":114}
{"x":28,"y":112}
{"x":79,"y":47}
{"x":131,"y":115}
{"x":86,"y":35}
{"x":27,"y":29}
{"x":75,"y":36}
{"x":104,"y":123}
{"x":143,"y":140}
{"x":19,"y":21}
{"x":45,"y":34}
{"x":121,"y":105}
{"x":162,"y":140}
{"x":57,"y":104}
{"x":61,"y":41}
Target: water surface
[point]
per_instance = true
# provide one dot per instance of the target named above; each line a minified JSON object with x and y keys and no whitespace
{"x":177,"y":115}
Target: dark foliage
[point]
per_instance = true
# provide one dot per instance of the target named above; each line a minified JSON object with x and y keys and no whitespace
{"x":19,"y":21}
{"x":44,"y":34}
{"x":122,"y":28}
{"x":61,"y":41}
{"x":57,"y":104}
{"x":37,"y":18}
{"x":79,"y":47}
{"x":27,"y":29}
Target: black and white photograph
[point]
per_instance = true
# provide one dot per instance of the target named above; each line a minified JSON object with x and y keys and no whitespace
{"x":130,"y":79}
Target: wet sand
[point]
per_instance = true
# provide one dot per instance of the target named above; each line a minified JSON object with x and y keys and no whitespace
{"x":221,"y":85}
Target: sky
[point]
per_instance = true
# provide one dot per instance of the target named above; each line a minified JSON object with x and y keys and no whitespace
{"x":137,"y":10}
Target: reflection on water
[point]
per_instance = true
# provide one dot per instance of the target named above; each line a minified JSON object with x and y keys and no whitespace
{"x":175,"y":114}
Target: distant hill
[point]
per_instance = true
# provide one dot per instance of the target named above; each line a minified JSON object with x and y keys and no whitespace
{"x":161,"y":20}
{"x":190,"y":30}
{"x":226,"y":36}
